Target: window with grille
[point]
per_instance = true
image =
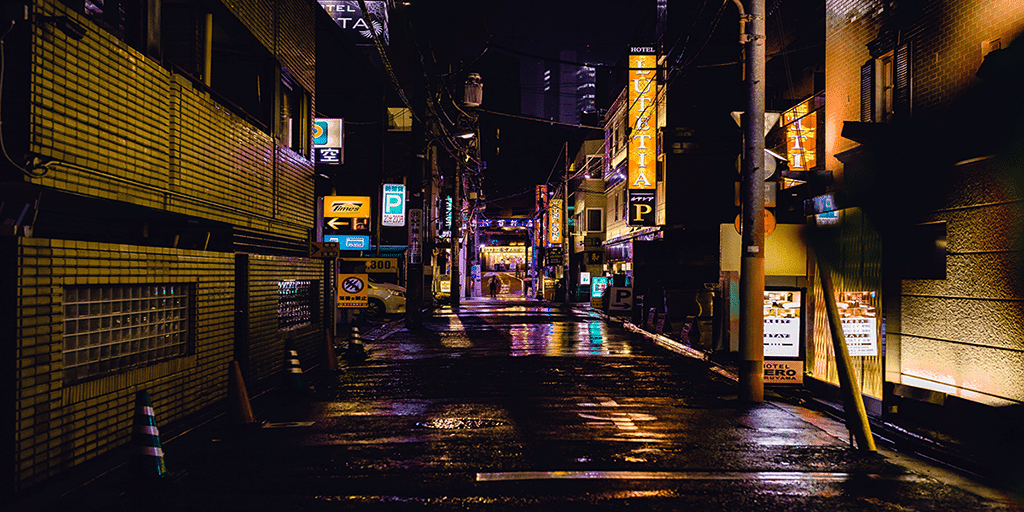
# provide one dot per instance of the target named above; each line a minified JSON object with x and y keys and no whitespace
{"x":296,"y":304}
{"x":112,"y":328}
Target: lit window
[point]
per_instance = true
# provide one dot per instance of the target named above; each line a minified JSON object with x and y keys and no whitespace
{"x":399,"y":119}
{"x":297,"y":304}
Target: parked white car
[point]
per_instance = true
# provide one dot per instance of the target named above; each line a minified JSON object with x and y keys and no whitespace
{"x":384,"y":299}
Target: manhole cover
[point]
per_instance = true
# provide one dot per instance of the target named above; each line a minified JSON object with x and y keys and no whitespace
{"x":461,"y":423}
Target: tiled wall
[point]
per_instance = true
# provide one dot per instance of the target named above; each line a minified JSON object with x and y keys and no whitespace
{"x":58,"y":425}
{"x":266,"y":341}
{"x":126,"y":129}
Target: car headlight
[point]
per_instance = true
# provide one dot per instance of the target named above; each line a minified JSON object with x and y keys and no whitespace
{"x":400,"y":294}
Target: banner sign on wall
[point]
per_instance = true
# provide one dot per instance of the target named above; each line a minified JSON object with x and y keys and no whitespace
{"x":641,"y":208}
{"x":860,"y":322}
{"x":555,"y":222}
{"x":643,"y":94}
{"x":360,"y":29}
{"x":643,"y":123}
{"x":861,"y":339}
{"x":329,"y":141}
{"x":540,"y":199}
{"x":784,"y":372}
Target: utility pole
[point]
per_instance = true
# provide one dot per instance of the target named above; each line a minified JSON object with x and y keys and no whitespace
{"x":565,"y":228}
{"x":456,"y":234}
{"x":751,"y":364}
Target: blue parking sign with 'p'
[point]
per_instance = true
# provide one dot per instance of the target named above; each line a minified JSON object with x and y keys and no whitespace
{"x":393,"y":205}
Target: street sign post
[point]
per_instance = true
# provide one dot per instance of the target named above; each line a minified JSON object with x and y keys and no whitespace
{"x":323,"y":250}
{"x":352,"y":290}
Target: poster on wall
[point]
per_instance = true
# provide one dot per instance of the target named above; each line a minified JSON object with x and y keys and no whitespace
{"x":782,"y":324}
{"x":860,"y":323}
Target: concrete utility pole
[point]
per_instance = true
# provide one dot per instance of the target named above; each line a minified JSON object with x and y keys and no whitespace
{"x":456,"y":234}
{"x":751,"y":364}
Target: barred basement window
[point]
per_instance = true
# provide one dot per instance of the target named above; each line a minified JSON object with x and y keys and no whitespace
{"x":296,"y":304}
{"x":112,"y":328}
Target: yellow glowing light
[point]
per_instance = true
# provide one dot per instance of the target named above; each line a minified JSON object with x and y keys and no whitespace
{"x":643,"y":121}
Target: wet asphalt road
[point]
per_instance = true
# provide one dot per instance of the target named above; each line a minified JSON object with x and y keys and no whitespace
{"x":509,"y":405}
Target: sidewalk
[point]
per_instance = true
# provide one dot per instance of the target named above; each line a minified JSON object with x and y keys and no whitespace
{"x":951,"y":452}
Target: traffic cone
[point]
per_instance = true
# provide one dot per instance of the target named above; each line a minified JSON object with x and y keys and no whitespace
{"x":241,"y":408}
{"x":331,"y":359}
{"x":292,"y":369}
{"x":147,"y":453}
{"x":355,"y":344}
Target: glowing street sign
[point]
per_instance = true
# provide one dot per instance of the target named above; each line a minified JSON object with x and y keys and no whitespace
{"x":347,"y":207}
{"x":359,"y":27}
{"x":555,"y":222}
{"x":393,"y":205}
{"x":328,"y":141}
{"x":643,"y":121}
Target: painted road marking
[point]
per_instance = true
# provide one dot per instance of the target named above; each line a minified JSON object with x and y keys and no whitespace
{"x":764,"y":476}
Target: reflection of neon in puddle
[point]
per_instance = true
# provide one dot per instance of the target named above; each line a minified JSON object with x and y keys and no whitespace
{"x":587,"y":338}
{"x":459,"y":341}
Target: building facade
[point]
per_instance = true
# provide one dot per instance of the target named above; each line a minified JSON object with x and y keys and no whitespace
{"x":158,"y":199}
{"x":923,"y":229}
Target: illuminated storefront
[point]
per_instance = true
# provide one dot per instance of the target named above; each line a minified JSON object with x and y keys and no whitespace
{"x":506,"y":258}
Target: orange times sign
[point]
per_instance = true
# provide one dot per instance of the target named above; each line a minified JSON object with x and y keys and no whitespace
{"x":642,"y":115}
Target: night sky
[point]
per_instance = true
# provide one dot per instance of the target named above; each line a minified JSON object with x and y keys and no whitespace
{"x":488,"y":37}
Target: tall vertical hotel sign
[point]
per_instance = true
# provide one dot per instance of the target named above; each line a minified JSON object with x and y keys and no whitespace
{"x":643,"y":111}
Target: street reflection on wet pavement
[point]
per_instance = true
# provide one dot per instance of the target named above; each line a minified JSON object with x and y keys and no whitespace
{"x":504,"y":405}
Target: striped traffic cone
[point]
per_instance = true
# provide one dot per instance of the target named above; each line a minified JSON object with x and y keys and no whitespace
{"x":147,"y":453}
{"x":292,"y":369}
{"x":355,"y":344}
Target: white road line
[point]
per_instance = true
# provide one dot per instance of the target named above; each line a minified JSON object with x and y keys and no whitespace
{"x":762,"y":476}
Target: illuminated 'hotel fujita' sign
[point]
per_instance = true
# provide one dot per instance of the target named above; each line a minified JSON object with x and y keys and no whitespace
{"x":642,"y":117}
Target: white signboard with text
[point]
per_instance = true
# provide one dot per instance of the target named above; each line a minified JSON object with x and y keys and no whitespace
{"x":861,"y":335}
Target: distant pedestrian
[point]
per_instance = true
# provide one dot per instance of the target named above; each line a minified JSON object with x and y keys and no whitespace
{"x":493,"y":285}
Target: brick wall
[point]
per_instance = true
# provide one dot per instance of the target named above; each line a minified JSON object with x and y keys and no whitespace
{"x":959,"y":335}
{"x":126,"y":129}
{"x":266,"y":340}
{"x":60,"y":425}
